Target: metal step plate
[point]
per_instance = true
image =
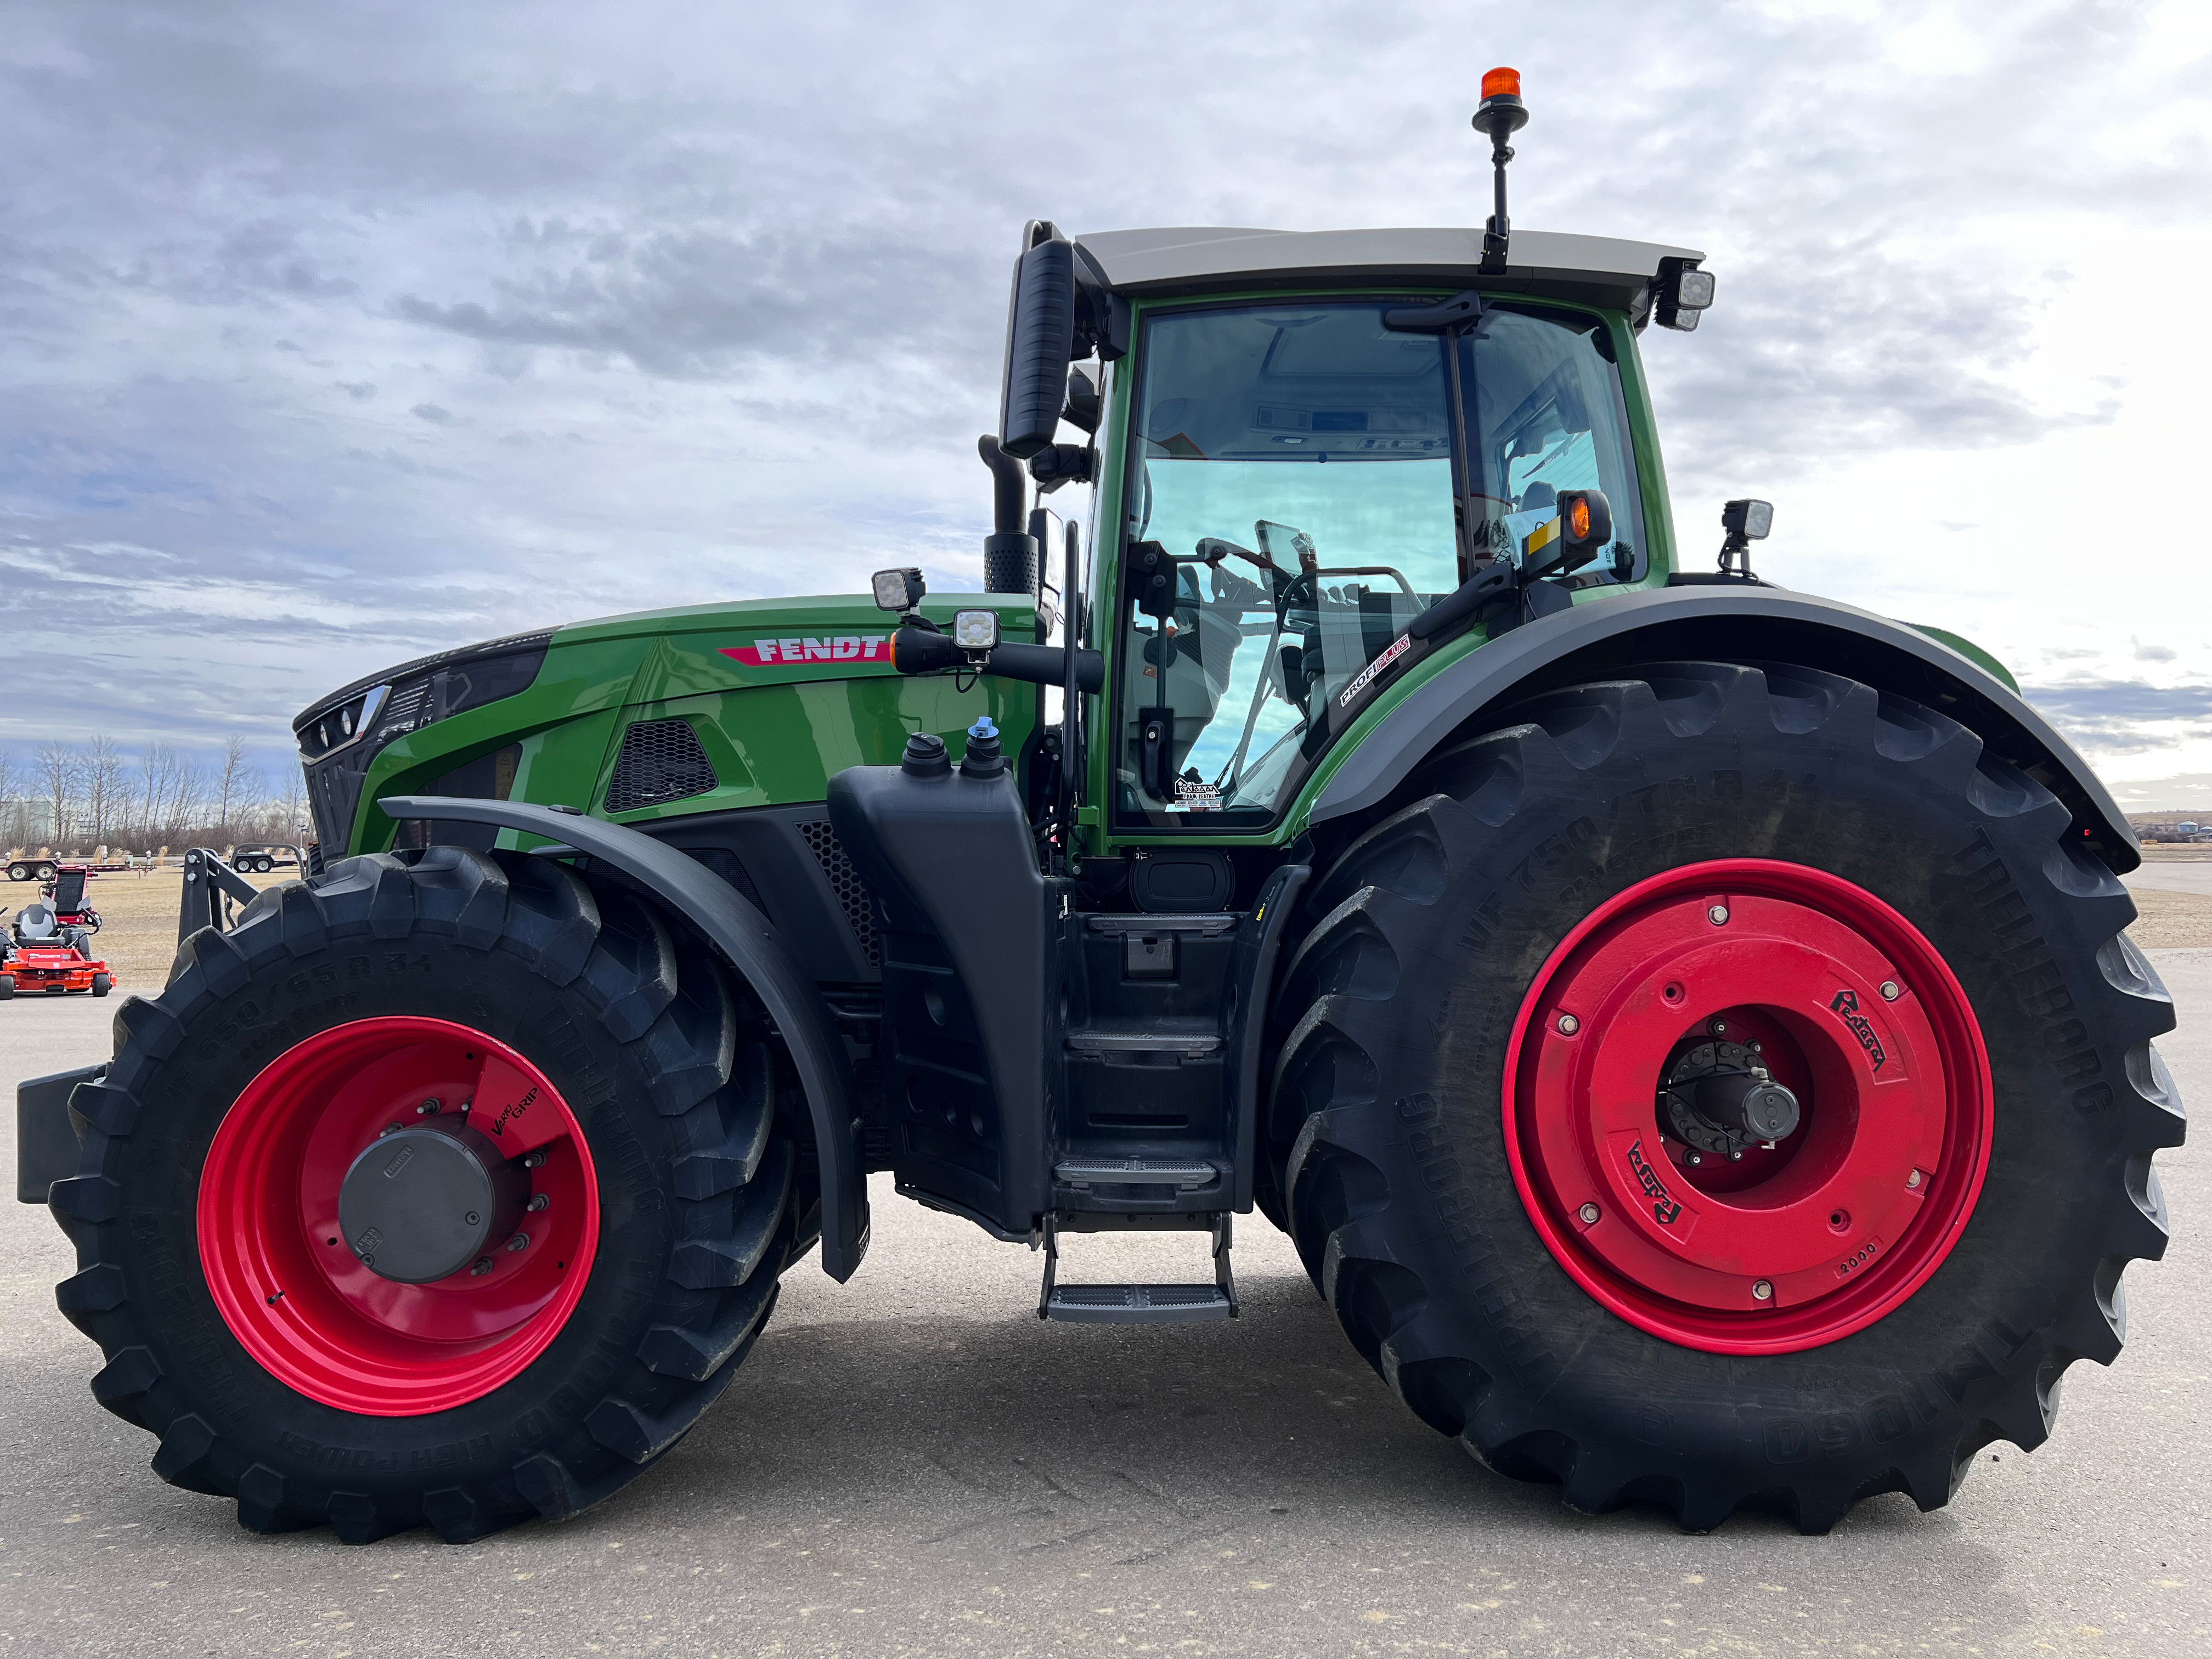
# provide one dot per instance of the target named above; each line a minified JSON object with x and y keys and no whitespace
{"x":1136,"y":1305}
{"x":1182,"y":1174}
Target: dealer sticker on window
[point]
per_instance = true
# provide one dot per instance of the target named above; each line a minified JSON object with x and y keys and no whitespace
{"x":1374,"y":671}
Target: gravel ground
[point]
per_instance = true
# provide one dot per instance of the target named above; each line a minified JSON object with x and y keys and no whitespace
{"x":913,"y":1464}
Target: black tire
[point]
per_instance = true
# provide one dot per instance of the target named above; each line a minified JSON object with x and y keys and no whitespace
{"x":1431,"y":927}
{"x":18,"y":872}
{"x":7,"y":987}
{"x":46,"y":872}
{"x":677,"y":1088}
{"x":102,"y":984}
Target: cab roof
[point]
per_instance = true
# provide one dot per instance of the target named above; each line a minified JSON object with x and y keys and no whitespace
{"x":1595,"y":270}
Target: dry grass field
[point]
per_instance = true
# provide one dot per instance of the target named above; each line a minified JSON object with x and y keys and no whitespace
{"x":139,"y":920}
{"x":139,"y":937}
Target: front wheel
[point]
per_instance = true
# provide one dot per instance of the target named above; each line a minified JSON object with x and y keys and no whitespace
{"x":102,"y":984}
{"x":19,"y":871}
{"x":455,"y":1194}
{"x":1724,"y":1086}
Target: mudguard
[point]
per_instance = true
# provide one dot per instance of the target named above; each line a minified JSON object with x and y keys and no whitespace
{"x":1749,"y":624}
{"x":747,"y":941}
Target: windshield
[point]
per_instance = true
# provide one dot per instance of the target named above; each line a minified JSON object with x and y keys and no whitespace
{"x":1294,"y":485}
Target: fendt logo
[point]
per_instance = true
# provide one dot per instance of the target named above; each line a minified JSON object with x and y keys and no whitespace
{"x":835,"y":647}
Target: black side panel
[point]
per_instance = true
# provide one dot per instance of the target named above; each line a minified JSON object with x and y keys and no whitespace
{"x":1259,"y":945}
{"x":735,"y":927}
{"x":968,"y":970}
{"x":47,"y":1149}
{"x":789,"y":862}
{"x":1745,"y":625}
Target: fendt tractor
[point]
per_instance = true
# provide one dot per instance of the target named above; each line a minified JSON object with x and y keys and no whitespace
{"x":1685,"y":1024}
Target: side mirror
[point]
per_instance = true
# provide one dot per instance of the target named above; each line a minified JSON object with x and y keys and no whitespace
{"x":1040,"y":341}
{"x":1084,"y":407}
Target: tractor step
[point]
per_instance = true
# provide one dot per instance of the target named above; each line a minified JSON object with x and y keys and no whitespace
{"x":1181,"y":1174}
{"x":1136,"y":1305}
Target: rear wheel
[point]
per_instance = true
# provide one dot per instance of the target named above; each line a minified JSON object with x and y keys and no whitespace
{"x":456,"y":1195}
{"x":1725,"y":1086}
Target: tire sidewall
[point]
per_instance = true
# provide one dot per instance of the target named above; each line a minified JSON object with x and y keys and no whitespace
{"x":1972,"y":881}
{"x":228,"y":1041}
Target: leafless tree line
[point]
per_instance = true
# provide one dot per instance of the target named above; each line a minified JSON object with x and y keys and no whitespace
{"x":98,"y":793}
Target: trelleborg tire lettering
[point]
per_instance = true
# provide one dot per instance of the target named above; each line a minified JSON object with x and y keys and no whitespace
{"x":1430,"y":929}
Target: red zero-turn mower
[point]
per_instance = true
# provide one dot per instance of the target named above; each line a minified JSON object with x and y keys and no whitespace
{"x":47,"y":947}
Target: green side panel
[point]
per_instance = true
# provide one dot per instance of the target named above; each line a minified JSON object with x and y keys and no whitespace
{"x":1966,"y":648}
{"x":783,"y":692}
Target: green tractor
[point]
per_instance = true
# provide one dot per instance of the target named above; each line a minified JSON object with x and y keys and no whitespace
{"x":1684,"y":1025}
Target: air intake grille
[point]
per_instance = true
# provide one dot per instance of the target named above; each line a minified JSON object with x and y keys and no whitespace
{"x":660,"y":761}
{"x":852,"y":895}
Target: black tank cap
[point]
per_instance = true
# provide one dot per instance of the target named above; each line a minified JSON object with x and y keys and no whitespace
{"x":925,"y":757}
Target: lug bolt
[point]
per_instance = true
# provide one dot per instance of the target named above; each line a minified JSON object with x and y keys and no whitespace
{"x":1736,"y":1155}
{"x":1752,"y":1045}
{"x":1694,"y":1159}
{"x":1588,"y":1214}
{"x":534,"y":1160}
{"x":1717,"y":916}
{"x":1889,"y":991}
{"x":1762,"y":1290}
{"x":425,"y":1108}
{"x":389,"y":1129}
{"x":519,"y":1242}
{"x":482,"y":1266}
{"x":1718,"y":1026}
{"x":1569,"y":1025}
{"x":539,"y":1202}
{"x":1912,"y":1181}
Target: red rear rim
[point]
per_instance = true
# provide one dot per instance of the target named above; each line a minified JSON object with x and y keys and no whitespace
{"x":299,"y":1299}
{"x":1790,"y":1246}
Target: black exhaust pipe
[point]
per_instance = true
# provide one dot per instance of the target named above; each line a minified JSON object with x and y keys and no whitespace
{"x":1010,"y":552}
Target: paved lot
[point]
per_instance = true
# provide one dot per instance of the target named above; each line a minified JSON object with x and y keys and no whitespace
{"x":912,"y":1464}
{"x":2174,"y":875}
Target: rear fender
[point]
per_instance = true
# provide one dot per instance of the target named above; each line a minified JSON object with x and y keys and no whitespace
{"x":746,"y":940}
{"x":1735,"y":624}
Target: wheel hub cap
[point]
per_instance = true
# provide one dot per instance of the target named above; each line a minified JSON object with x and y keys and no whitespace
{"x":419,"y":1205}
{"x":1775,"y":1189}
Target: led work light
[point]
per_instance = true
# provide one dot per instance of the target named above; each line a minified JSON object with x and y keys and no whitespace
{"x":897,"y":589}
{"x":975,"y":630}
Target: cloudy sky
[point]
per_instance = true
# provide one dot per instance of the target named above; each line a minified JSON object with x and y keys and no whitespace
{"x":336,"y":335}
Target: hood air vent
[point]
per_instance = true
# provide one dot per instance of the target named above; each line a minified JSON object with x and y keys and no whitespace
{"x":660,"y":761}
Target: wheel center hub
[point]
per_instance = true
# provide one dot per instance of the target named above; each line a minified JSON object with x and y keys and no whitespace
{"x":1719,"y":1098}
{"x":419,"y":1204}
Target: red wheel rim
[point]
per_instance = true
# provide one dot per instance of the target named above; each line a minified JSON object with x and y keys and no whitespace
{"x":1854,"y":1010}
{"x":304,"y":1306}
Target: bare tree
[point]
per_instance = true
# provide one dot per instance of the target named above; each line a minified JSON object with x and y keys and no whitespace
{"x":235,"y":783}
{"x":292,"y":807}
{"x":153,"y":809}
{"x":106,"y":787}
{"x":58,"y":773}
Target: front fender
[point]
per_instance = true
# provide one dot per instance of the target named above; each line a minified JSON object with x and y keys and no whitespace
{"x":750,"y":945}
{"x":1737,"y":624}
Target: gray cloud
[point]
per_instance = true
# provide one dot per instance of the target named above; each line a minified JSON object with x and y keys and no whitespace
{"x":2123,"y":717}
{"x":708,"y":301}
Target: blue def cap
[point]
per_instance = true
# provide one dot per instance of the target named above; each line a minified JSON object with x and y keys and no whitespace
{"x":982,"y":730}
